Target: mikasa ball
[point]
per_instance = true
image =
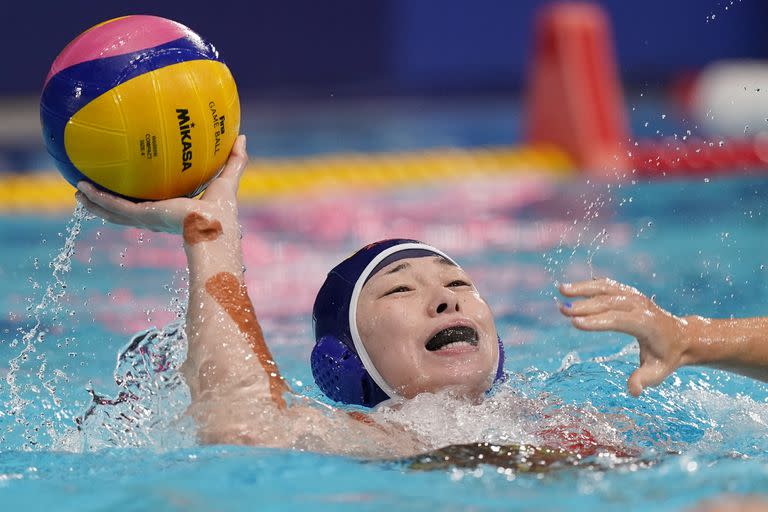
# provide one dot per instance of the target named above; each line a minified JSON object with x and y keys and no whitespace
{"x":140,"y":106}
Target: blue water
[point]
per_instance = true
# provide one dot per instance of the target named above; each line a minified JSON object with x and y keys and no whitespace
{"x":698,"y":246}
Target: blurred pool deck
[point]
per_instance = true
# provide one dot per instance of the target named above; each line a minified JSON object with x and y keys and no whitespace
{"x":306,"y":146}
{"x":299,"y":146}
{"x":291,"y":129}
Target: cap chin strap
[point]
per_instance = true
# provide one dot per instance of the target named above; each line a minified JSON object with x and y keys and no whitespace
{"x":361,"y":280}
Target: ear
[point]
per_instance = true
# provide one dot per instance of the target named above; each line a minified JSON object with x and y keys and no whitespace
{"x":341,"y":376}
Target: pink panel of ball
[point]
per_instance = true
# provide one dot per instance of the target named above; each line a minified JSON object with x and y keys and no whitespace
{"x":118,"y":37}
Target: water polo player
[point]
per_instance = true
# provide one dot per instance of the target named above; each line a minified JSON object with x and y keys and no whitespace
{"x":396,"y":319}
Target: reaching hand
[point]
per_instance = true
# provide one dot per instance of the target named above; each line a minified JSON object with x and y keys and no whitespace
{"x":219,"y":200}
{"x":612,"y":306}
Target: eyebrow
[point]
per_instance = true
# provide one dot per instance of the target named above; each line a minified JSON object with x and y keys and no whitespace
{"x":398,"y":268}
{"x":445,"y":261}
{"x":440,"y":259}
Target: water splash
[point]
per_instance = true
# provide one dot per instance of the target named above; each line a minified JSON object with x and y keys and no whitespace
{"x":686,"y":414}
{"x":151,"y":394}
{"x":51,"y":305}
{"x":724,"y":7}
{"x":586,"y":234}
{"x":508,"y":417}
{"x":148,"y":408}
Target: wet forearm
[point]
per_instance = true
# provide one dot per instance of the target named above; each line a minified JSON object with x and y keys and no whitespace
{"x":224,"y":334}
{"x":210,"y":249}
{"x":738,"y":345}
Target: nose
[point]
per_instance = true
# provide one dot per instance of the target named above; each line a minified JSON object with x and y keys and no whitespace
{"x":444,"y":302}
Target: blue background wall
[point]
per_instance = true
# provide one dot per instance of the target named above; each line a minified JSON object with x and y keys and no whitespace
{"x":358,"y":47}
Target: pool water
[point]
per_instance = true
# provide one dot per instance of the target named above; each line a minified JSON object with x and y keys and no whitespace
{"x":697,"y":246}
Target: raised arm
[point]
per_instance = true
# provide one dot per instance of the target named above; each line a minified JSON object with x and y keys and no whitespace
{"x":667,"y":342}
{"x":227,"y":358}
{"x":238,"y":395}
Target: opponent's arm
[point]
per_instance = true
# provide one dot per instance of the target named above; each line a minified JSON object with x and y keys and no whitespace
{"x":667,"y":342}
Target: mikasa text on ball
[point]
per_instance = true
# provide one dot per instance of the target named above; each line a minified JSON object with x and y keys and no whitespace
{"x":140,"y":106}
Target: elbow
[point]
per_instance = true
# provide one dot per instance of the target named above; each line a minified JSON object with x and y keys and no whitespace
{"x":227,"y":436}
{"x":236,"y":420}
{"x":216,"y":426}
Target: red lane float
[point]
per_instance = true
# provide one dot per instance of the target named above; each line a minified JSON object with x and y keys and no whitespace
{"x":695,"y":157}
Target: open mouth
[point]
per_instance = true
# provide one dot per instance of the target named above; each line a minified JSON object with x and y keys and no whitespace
{"x":452,"y":336}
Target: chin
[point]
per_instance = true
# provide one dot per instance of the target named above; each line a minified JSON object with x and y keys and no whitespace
{"x":460,"y":385}
{"x":468,"y":378}
{"x":473,"y":374}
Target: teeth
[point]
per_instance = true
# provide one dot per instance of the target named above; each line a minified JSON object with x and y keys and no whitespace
{"x":455,"y":343}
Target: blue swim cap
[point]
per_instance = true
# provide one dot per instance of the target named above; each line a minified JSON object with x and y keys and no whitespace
{"x":340,"y":364}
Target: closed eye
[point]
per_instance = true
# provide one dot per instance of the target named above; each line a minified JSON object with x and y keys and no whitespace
{"x":458,"y":282}
{"x":397,"y":289}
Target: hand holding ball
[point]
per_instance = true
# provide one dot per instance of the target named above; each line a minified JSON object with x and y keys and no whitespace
{"x":142,"y":107}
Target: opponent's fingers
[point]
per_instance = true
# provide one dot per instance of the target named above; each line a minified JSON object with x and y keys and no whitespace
{"x":108,"y":201}
{"x":228,"y":181}
{"x":594,"y":287}
{"x":647,"y":375}
{"x":618,"y":321}
{"x":596,"y":305}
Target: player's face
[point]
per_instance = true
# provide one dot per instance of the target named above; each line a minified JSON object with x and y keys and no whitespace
{"x":426,"y":328}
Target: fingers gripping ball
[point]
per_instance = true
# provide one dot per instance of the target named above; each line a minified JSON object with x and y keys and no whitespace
{"x":140,"y":106}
